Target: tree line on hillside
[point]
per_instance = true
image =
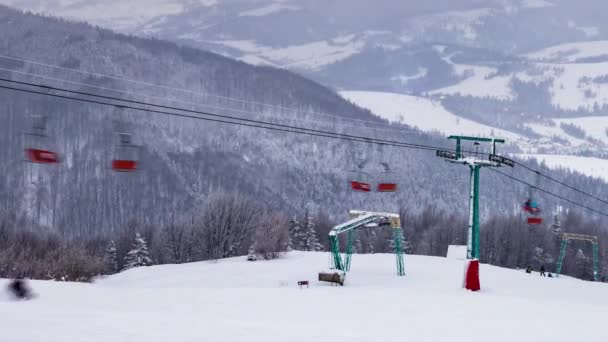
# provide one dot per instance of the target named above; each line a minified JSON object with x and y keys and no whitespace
{"x":234,"y":225}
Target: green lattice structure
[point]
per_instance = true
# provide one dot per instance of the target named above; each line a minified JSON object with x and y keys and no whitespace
{"x":361,"y":219}
{"x":566,"y":238}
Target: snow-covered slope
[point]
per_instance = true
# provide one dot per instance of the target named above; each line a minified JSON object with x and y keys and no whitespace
{"x":236,"y":300}
{"x":423,"y":113}
{"x":571,"y":52}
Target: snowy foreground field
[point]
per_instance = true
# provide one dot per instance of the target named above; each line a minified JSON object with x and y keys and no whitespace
{"x":236,"y":300}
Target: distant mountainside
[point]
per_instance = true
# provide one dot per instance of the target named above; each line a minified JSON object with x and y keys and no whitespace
{"x":184,"y":161}
{"x":515,"y":65}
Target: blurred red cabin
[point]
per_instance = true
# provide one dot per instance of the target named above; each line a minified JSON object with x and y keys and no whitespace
{"x":124,"y":165}
{"x":360,"y":186}
{"x":41,"y":156}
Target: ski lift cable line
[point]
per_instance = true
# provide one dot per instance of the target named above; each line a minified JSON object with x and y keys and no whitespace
{"x":238,"y":100}
{"x":206,"y":113}
{"x":548,"y":192}
{"x":261,"y":125}
{"x":560,"y":182}
{"x":229,"y":120}
{"x":373,"y":140}
{"x":192,"y":92}
{"x":395,"y":130}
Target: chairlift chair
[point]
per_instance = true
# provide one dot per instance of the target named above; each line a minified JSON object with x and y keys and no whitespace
{"x":531,"y":205}
{"x":360,"y":180}
{"x":386,"y":182}
{"x":38,"y":147}
{"x":126,"y":155}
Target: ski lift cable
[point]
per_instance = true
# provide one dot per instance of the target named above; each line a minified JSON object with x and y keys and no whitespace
{"x":226,"y":119}
{"x":340,"y":124}
{"x":549,"y":192}
{"x":231,"y":120}
{"x":183,"y":90}
{"x":205,"y":113}
{"x":561,"y":182}
{"x":122,"y":102}
{"x":83,"y":72}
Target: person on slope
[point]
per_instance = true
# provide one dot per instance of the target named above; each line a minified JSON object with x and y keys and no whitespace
{"x":19,"y":289}
{"x":529,"y":269}
{"x":542,"y":271}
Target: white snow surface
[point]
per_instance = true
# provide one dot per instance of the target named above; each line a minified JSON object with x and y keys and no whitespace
{"x":236,"y":300}
{"x":313,"y":55}
{"x":571,"y":52}
{"x":119,"y":15}
{"x":536,"y":4}
{"x":457,"y":252}
{"x":423,"y":113}
{"x":267,"y":10}
{"x":480,"y":81}
{"x":595,"y":127}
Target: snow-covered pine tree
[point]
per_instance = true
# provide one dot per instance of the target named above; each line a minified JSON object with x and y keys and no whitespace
{"x":112,"y":258}
{"x":556,"y":227}
{"x":296,"y":234}
{"x":139,"y":255}
{"x":311,"y":241}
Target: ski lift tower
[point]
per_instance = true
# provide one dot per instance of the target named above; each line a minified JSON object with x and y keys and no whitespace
{"x":475,"y":163}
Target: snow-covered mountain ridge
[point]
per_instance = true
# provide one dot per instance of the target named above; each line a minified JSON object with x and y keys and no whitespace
{"x":500,"y":63}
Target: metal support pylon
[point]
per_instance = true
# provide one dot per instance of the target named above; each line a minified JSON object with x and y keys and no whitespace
{"x":335,"y":252}
{"x":562,"y":254}
{"x":566,"y":237}
{"x":596,"y":271}
{"x":398,"y":242}
{"x":349,"y":249}
{"x":473,"y":249}
{"x":475,"y":164}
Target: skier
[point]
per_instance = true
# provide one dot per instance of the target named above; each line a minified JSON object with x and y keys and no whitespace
{"x":529,"y":269}
{"x":19,"y":289}
{"x":542,"y":271}
{"x":550,"y":275}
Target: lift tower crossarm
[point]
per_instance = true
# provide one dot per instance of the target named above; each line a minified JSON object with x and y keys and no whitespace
{"x":460,"y":138}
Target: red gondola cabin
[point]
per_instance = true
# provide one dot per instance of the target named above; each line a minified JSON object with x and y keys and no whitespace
{"x":387,"y":187}
{"x":124,"y":165}
{"x":41,"y":156}
{"x":360,"y":186}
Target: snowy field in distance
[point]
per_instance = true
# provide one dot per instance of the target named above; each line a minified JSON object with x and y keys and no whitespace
{"x":425,"y":114}
{"x":571,"y":52}
{"x":236,"y":300}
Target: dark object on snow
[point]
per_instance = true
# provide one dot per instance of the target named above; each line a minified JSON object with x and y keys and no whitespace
{"x":550,"y":275}
{"x":251,"y":256}
{"x":19,"y":289}
{"x":529,"y":269}
{"x":302,"y":283}
{"x":542,"y":270}
{"x":332,"y":277}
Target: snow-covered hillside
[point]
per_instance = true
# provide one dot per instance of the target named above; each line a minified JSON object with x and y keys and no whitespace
{"x":422,"y":113}
{"x":430,"y":116}
{"x":571,"y":52}
{"x":236,"y":300}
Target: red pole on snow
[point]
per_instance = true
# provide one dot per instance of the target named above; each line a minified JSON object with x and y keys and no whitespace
{"x":471,"y":280}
